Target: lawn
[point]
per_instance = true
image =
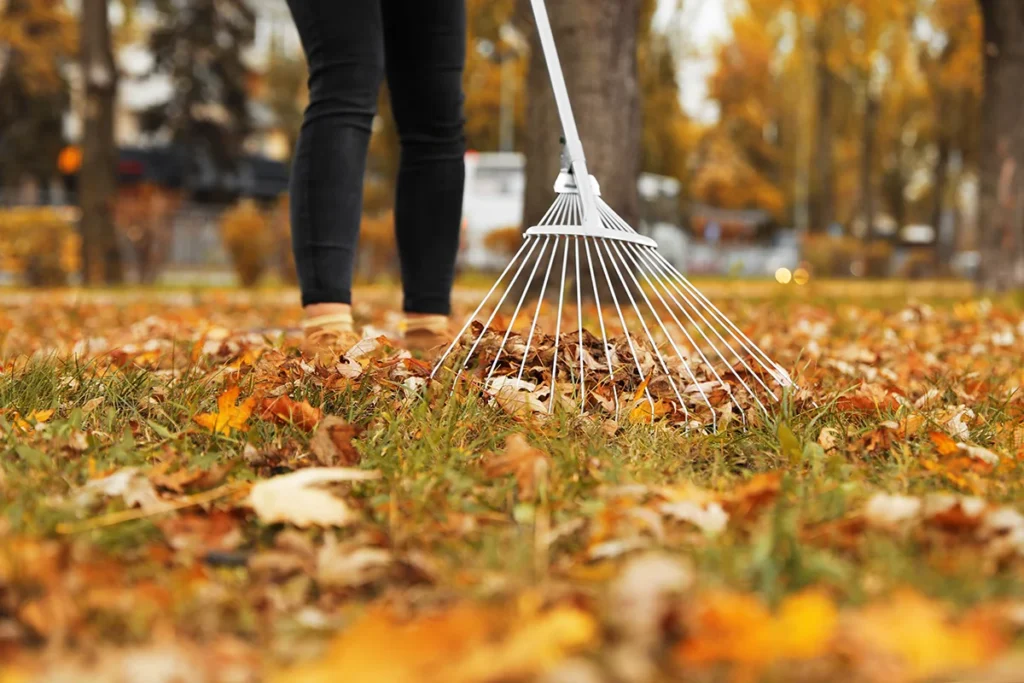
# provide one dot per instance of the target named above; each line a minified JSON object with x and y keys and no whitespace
{"x":183,"y":498}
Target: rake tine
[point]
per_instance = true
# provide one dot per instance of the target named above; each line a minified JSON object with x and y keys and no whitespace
{"x":478,"y":309}
{"x":703,"y":334}
{"x":515,"y":314}
{"x":738,"y":357}
{"x":625,"y":327}
{"x":558,"y":328}
{"x":657,"y":317}
{"x":749,"y":346}
{"x":711,"y":366}
{"x":487,"y":325}
{"x":604,"y":334}
{"x":671,"y":341}
{"x":781,"y":376}
{"x":536,"y":315}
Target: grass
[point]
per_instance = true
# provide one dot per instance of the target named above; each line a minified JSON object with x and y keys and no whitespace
{"x":435,"y":499}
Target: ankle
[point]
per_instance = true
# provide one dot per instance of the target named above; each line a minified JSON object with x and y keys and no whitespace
{"x":328,"y":316}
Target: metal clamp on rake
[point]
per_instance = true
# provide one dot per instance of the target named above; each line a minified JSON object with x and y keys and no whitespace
{"x":676,"y":351}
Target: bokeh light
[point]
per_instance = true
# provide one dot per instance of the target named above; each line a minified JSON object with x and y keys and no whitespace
{"x":801,"y":276}
{"x":783,"y":276}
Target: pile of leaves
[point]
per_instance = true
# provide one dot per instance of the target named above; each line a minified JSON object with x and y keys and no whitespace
{"x":531,"y":373}
{"x":184,"y":497}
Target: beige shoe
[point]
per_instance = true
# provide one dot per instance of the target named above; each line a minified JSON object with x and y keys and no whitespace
{"x":328,"y":336}
{"x":425,"y":332}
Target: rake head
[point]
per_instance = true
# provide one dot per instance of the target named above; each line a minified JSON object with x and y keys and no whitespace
{"x":658,"y":348}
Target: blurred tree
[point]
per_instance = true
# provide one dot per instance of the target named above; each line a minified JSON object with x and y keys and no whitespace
{"x":287,"y":89}
{"x":668,"y":136}
{"x":37,"y":39}
{"x":739,"y":159}
{"x":597,"y":44}
{"x":199,"y":45}
{"x":101,"y":258}
{"x":950,"y":57}
{"x":1002,"y":144}
{"x":495,"y":76}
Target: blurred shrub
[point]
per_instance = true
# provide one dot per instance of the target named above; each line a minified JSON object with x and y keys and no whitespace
{"x":281,"y":231}
{"x":144,"y":215}
{"x":504,"y":241}
{"x":247,"y":237}
{"x":378,"y":251}
{"x":842,"y":256}
{"x":41,"y":244}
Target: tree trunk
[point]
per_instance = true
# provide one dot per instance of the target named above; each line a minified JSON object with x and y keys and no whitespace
{"x":824,"y":200}
{"x":101,"y":259}
{"x":597,"y":45}
{"x":1002,"y":145}
{"x":867,"y":190}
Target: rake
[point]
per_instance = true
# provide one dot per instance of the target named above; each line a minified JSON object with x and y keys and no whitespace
{"x":676,"y":354}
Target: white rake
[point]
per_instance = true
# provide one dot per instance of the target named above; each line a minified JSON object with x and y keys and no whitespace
{"x":676,"y":348}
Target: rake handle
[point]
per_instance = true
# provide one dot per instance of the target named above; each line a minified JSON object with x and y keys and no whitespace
{"x":573,"y":144}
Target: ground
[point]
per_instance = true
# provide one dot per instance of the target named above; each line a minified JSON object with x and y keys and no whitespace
{"x":182,"y":497}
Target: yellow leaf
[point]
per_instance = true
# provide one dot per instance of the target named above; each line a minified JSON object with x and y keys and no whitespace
{"x":229,"y":415}
{"x":919,"y":632}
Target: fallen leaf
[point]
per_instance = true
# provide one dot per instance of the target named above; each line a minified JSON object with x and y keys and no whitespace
{"x":229,"y":415}
{"x":344,"y":566}
{"x":828,"y":438}
{"x":944,"y":444}
{"x":297,"y":498}
{"x":710,"y":518}
{"x":884,"y":510}
{"x":919,"y":633}
{"x":529,"y":465}
{"x":128,"y":484}
{"x":978,"y":453}
{"x":332,"y":443}
{"x":285,"y":410}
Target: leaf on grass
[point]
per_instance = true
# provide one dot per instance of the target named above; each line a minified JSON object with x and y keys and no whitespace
{"x":129,"y":484}
{"x":529,"y":465}
{"x":297,"y":498}
{"x":978,"y":453}
{"x":285,"y":410}
{"x":332,"y":443}
{"x":885,"y":511}
{"x":737,"y":628}
{"x":709,"y":518}
{"x":463,"y":644}
{"x":919,"y":634}
{"x":944,"y":444}
{"x":229,"y":416}
{"x":345,"y":566}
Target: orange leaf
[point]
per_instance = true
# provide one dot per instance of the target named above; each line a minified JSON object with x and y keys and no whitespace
{"x":529,"y":464}
{"x":943,"y":443}
{"x":284,"y":410}
{"x":229,"y":415}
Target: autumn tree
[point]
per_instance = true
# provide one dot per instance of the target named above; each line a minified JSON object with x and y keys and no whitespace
{"x":37,"y":39}
{"x":101,"y":258}
{"x":198,"y":45}
{"x":1002,"y":143}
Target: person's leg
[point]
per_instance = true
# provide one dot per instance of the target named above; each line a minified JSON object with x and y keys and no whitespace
{"x":343,"y":42}
{"x":425,"y":47}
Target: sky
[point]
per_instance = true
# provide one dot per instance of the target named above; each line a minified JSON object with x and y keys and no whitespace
{"x":707,"y":23}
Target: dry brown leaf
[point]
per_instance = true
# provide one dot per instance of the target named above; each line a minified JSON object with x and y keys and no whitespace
{"x":285,"y":410}
{"x":529,"y":465}
{"x":332,"y":443}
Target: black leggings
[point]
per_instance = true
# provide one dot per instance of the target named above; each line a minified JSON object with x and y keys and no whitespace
{"x":349,"y":45}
